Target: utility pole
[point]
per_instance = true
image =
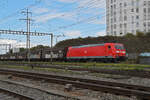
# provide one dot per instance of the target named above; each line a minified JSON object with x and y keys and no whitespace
{"x":6,"y":49}
{"x":28,"y":20}
{"x":51,"y":47}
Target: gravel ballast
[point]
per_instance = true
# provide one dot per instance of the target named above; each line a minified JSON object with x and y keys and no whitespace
{"x":86,"y":93}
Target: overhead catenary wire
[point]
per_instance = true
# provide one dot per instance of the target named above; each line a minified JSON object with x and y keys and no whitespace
{"x":18,"y":11}
{"x":105,"y":16}
{"x":65,"y":27}
{"x":75,"y":10}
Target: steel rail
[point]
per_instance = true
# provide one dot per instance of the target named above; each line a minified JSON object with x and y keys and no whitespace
{"x":142,"y":92}
{"x":14,"y":94}
{"x":66,"y":96}
{"x":135,"y":73}
{"x":132,"y":73}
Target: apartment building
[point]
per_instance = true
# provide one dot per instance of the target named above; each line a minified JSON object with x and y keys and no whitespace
{"x":127,"y":16}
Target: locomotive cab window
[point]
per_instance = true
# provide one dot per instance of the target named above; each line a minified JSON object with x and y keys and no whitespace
{"x":119,"y":47}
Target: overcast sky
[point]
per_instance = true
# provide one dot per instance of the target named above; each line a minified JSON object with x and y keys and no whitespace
{"x":73,"y":18}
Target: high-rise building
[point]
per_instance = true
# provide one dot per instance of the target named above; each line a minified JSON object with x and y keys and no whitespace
{"x":127,"y":16}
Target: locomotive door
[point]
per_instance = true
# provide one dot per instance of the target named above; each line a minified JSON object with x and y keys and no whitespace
{"x":109,"y":50}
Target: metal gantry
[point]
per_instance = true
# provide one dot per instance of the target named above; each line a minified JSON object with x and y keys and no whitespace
{"x":58,"y":36}
{"x":30,"y":34}
{"x":23,"y":33}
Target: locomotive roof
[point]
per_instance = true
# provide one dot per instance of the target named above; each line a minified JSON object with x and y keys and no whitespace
{"x":90,"y":45}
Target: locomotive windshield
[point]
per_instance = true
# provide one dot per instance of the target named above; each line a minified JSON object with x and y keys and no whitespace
{"x":119,"y":47}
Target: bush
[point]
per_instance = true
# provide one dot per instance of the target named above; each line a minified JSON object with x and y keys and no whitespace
{"x":148,"y":34}
{"x":128,"y":35}
{"x":139,"y":34}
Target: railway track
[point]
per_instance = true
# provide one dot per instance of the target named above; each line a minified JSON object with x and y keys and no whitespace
{"x":135,"y":73}
{"x":132,"y":73}
{"x":9,"y":95}
{"x":33,"y":92}
{"x":141,"y":92}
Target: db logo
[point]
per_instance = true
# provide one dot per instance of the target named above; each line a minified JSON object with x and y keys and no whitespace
{"x":85,"y":51}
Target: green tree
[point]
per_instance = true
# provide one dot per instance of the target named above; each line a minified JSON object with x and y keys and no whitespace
{"x":39,"y":47}
{"x":148,"y":34}
{"x":140,"y":34}
{"x":22,"y":49}
{"x":128,"y":35}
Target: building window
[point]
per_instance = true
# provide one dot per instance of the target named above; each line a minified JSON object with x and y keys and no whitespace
{"x":132,"y":3}
{"x":111,"y":10}
{"x":137,"y":3}
{"x":120,"y":18}
{"x":144,"y":3}
{"x":111,"y":21}
{"x":111,"y":1}
{"x":144,"y":17}
{"x":125,"y":4}
{"x":115,"y":33}
{"x":114,"y":6}
{"x":144,"y":10}
{"x":111,"y":27}
{"x":132,"y":19}
{"x":114,"y":13}
{"x":144,"y":24}
{"x":137,"y":24}
{"x":120,"y":4}
{"x":137,"y":17}
{"x":115,"y":26}
{"x":149,"y":10}
{"x":148,"y":24}
{"x":125,"y":25}
{"x":125,"y":18}
{"x":120,"y":12}
{"x":125,"y":11}
{"x":137,"y":10}
{"x":132,"y":10}
{"x":120,"y":25}
{"x":115,"y":19}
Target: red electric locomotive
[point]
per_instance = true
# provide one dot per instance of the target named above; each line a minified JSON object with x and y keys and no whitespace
{"x":97,"y":52}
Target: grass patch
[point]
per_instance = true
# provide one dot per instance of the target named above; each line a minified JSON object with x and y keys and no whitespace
{"x":115,"y":66}
{"x":63,"y":71}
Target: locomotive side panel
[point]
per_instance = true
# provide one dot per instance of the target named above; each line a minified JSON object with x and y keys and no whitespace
{"x":98,"y":52}
{"x":87,"y":52}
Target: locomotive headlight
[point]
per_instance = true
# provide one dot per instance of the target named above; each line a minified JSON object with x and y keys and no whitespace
{"x":117,"y":51}
{"x":123,"y":52}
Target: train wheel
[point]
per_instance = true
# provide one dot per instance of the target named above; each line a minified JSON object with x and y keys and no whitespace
{"x":115,"y":60}
{"x":105,"y":60}
{"x":90,"y":60}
